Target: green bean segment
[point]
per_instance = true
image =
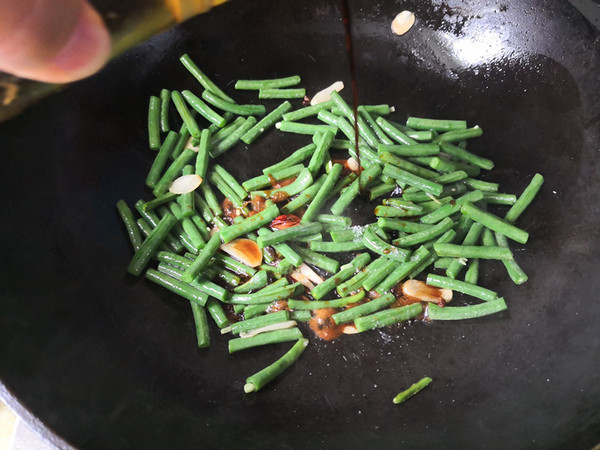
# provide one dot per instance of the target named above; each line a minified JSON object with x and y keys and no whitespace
{"x":379,"y":246}
{"x":435,"y":312}
{"x":524,"y":199}
{"x":206,"y":82}
{"x":351,"y":314}
{"x":250,"y":223}
{"x":412,"y":390}
{"x":268,"y":83}
{"x":420,"y":123}
{"x":150,"y":245}
{"x":242,"y":110}
{"x":461,"y":286}
{"x":425,"y":235}
{"x":270,"y":337}
{"x":154,"y":123}
{"x":495,"y":223}
{"x":387,"y":317}
{"x":258,"y":322}
{"x":203,"y":109}
{"x":266,"y":93}
{"x":259,"y":379}
{"x":472,"y":251}
{"x":320,"y":304}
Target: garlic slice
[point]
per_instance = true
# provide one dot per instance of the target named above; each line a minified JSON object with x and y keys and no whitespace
{"x":403,"y":22}
{"x":189,"y":144}
{"x":185,"y":184}
{"x":424,"y":292}
{"x":305,"y":275}
{"x":311,"y":274}
{"x":324,"y":95}
{"x":244,"y":250}
{"x":353,"y":164}
{"x":298,"y":276}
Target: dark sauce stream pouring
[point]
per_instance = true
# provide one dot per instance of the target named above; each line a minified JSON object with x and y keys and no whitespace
{"x":345,"y":11}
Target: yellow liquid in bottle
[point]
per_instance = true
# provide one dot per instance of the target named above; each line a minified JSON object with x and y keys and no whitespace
{"x":129,"y":22}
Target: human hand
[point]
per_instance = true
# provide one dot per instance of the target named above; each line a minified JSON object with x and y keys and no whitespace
{"x":56,"y":41}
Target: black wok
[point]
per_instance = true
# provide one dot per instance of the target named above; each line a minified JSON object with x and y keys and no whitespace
{"x":95,"y":359}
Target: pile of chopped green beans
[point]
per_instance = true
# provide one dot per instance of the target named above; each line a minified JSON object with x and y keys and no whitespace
{"x":431,"y":218}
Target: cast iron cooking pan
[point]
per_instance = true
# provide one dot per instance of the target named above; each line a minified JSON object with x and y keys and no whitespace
{"x":96,"y":359}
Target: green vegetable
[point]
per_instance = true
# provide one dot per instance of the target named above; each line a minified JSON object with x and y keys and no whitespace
{"x":269,"y":337}
{"x":154,"y":123}
{"x":203,"y":109}
{"x":461,"y":286}
{"x":355,"y":312}
{"x":420,"y":123}
{"x":412,"y":390}
{"x":133,"y":231}
{"x":387,"y":317}
{"x":150,"y":245}
{"x":165,"y":100}
{"x":266,"y":122}
{"x":206,"y":82}
{"x":494,"y":223}
{"x":435,"y":312}
{"x":201,"y":322}
{"x":266,"y":93}
{"x":268,"y":84}
{"x":432,"y":206}
{"x":259,"y":379}
{"x":524,"y":199}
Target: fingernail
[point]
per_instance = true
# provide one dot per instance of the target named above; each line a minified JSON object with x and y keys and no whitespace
{"x":86,"y":51}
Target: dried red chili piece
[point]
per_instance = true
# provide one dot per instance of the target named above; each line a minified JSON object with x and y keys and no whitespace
{"x":285,"y":221}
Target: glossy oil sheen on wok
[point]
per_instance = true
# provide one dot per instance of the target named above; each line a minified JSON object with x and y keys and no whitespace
{"x":107,"y":361}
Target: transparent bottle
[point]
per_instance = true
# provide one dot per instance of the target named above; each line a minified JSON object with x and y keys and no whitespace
{"x":129,"y":22}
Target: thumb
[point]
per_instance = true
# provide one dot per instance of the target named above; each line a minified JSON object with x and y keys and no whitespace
{"x":54,"y":41}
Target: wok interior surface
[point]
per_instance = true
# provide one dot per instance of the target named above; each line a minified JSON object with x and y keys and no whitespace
{"x":107,"y":361}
